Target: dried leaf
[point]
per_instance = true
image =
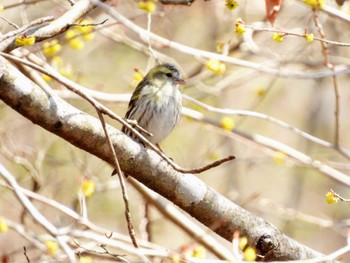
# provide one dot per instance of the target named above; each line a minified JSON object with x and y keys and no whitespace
{"x":272,"y":9}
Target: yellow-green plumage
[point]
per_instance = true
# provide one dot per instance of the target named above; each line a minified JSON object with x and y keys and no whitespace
{"x":156,"y":102}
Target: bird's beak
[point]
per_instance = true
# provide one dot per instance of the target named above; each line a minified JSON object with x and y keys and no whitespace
{"x":180,"y":81}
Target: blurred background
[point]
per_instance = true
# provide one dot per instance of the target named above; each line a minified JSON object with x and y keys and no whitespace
{"x":266,"y":181}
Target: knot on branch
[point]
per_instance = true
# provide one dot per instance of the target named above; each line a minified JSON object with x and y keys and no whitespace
{"x":266,"y":244}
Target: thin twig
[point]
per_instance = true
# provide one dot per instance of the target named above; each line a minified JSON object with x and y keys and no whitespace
{"x":89,"y":24}
{"x":150,"y":49}
{"x":121,"y":180}
{"x":105,"y":252}
{"x":287,"y":33}
{"x":8,"y":21}
{"x":339,"y":196}
{"x":331,"y":66}
{"x":177,"y":2}
{"x":23,"y":3}
{"x":25,"y":254}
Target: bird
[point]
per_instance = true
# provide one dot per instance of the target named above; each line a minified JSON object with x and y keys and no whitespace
{"x":156,"y":104}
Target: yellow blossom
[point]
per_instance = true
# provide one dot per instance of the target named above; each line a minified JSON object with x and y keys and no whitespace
{"x":331,"y":198}
{"x":243,"y":242}
{"x":240,"y":29}
{"x":220,"y":47}
{"x":214,"y":156}
{"x":76,"y":43}
{"x":88,"y":36}
{"x":279,"y":157}
{"x":148,"y":6}
{"x":57,"y":61}
{"x":24,"y":40}
{"x":309,"y":37}
{"x":315,"y":3}
{"x":46,"y":78}
{"x":85,"y":259}
{"x":175,"y":259}
{"x":278,"y":37}
{"x":1,"y":8}
{"x":3,"y":226}
{"x":199,"y":252}
{"x":136,"y":78}
{"x":51,"y":48}
{"x":227,"y":123}
{"x":51,"y":247}
{"x":249,"y":254}
{"x":231,"y":4}
{"x":216,"y":66}
{"x":260,"y":91}
{"x":71,"y":33}
{"x":85,"y":26}
{"x":88,"y":187}
{"x":66,"y":72}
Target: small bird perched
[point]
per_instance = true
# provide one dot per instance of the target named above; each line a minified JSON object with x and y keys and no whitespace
{"x":156,"y":103}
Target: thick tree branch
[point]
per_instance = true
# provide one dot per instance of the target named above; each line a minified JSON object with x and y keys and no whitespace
{"x":185,"y":190}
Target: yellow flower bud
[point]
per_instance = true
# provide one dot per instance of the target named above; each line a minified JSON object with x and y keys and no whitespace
{"x":227,"y":123}
{"x":88,"y":187}
{"x":88,"y":36}
{"x":175,"y":259}
{"x":278,"y":37}
{"x":260,"y":91}
{"x":51,"y":48}
{"x":231,"y":4}
{"x":240,"y":29}
{"x":85,"y":259}
{"x":315,"y":3}
{"x":46,"y":78}
{"x":279,"y":157}
{"x":24,"y":40}
{"x":331,"y":198}
{"x":3,"y":226}
{"x":199,"y":252}
{"x":85,"y":26}
{"x":76,"y":44}
{"x":148,"y":6}
{"x":243,"y":242}
{"x":51,"y":247}
{"x":71,"y":33}
{"x":249,"y":254}
{"x":309,"y":37}
{"x":216,"y":66}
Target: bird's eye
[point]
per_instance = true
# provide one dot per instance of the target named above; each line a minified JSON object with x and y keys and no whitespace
{"x":169,"y":75}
